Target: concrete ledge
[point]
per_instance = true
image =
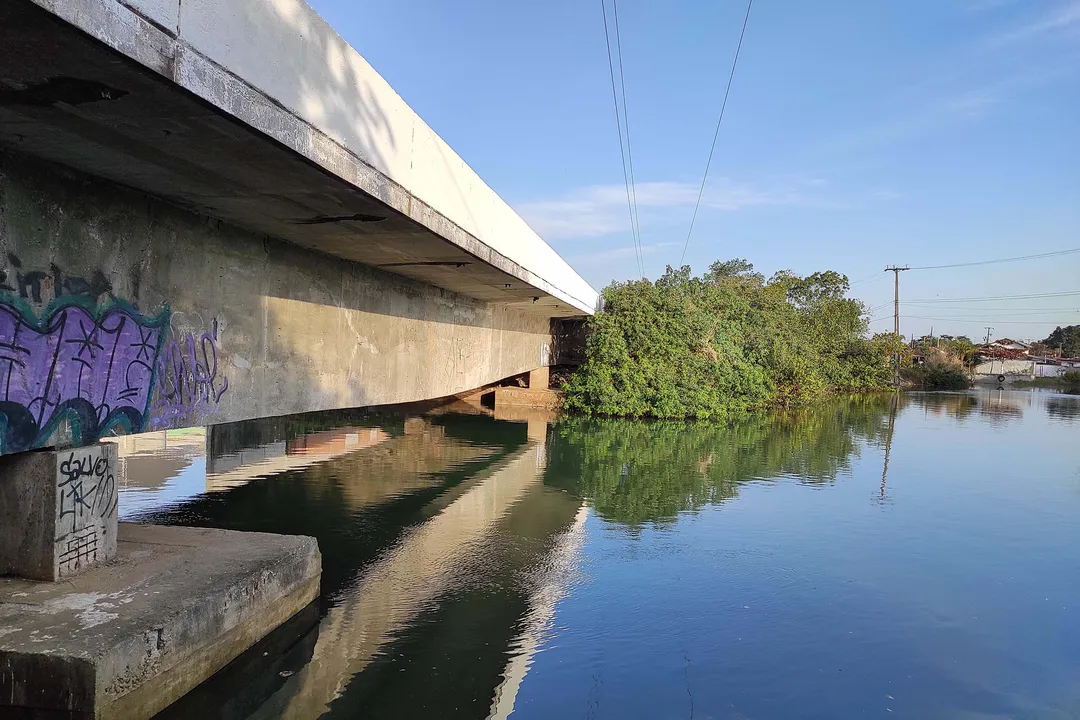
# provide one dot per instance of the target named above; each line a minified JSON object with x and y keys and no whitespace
{"x":527,"y":397}
{"x":128,"y":639}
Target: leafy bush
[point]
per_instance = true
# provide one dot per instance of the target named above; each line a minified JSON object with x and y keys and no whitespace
{"x":936,"y":376}
{"x":705,"y":347}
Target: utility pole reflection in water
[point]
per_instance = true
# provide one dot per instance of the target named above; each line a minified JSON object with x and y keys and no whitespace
{"x":888,"y":442}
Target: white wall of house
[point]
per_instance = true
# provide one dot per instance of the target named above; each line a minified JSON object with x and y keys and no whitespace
{"x":1006,"y":367}
{"x":1050,"y":370}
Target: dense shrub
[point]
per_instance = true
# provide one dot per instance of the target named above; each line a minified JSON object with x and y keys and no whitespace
{"x":704,"y":347}
{"x":936,"y":376}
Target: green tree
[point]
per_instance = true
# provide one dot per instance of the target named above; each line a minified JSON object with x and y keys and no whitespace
{"x":704,"y":347}
{"x":1066,"y":339}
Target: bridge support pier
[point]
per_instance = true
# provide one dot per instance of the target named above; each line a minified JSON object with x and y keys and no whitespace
{"x":58,"y":511}
{"x":540,"y":378}
{"x":143,"y":613}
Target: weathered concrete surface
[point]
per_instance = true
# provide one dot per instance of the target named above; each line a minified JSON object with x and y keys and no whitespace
{"x":127,"y":639}
{"x":135,"y":315}
{"x":58,"y":511}
{"x":257,"y":112}
{"x":527,"y":397}
{"x":540,"y":378}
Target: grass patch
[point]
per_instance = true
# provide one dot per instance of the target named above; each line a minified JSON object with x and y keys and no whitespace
{"x":1068,"y":381}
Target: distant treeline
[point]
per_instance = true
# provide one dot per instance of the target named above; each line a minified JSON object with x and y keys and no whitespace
{"x":727,"y":341}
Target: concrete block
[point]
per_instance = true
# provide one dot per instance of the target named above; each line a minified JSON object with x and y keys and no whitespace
{"x":527,"y":397}
{"x":128,"y":639}
{"x":540,"y":378}
{"x":58,"y":511}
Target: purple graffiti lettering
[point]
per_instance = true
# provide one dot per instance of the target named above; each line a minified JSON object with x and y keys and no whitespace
{"x":91,"y":368}
{"x":189,"y":385}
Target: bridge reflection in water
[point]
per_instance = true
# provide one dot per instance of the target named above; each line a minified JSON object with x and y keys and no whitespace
{"x":444,"y":553}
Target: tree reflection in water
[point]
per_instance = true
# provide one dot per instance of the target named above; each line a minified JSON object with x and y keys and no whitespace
{"x":638,"y":472}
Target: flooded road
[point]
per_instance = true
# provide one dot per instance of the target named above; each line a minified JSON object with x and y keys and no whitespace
{"x":911,"y":558}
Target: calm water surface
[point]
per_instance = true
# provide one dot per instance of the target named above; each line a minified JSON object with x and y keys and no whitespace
{"x":917,"y":559}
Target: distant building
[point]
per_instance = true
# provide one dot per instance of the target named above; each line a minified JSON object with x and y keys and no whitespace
{"x":1051,"y":366}
{"x":1007,"y":344}
{"x":1005,"y":357}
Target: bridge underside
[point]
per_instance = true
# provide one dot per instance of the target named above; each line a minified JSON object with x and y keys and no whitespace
{"x":177,"y":248}
{"x":68,"y":97}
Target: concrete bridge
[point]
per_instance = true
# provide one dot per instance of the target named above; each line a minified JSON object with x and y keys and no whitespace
{"x":215,"y":210}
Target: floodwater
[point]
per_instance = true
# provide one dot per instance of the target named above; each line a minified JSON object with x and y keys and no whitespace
{"x":873,"y":557}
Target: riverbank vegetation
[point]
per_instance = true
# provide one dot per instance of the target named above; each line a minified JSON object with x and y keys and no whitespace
{"x":1069,"y":382}
{"x":938,"y":363}
{"x":935,"y":375}
{"x":727,"y":341}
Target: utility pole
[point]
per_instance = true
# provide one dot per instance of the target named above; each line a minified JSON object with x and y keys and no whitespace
{"x":896,"y":270}
{"x":988,"y":329}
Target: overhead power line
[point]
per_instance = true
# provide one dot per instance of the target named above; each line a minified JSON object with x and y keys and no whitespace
{"x":629,"y":147}
{"x":622,"y":151}
{"x":1057,"y":253}
{"x":876,"y":276}
{"x":934,"y":301}
{"x":716,"y":134}
{"x":965,"y":320}
{"x":1003,"y":311}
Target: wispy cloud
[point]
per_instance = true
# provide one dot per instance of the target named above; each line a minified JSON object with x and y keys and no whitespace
{"x":987,"y":75}
{"x":971,"y":103}
{"x":932,"y":116}
{"x":609,"y":255}
{"x":1063,"y":21}
{"x":1034,"y":46}
{"x":602,"y":209}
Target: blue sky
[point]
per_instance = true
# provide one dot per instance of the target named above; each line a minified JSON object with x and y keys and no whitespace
{"x":858,"y":134}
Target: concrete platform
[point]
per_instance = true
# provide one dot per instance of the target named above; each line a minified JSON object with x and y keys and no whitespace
{"x":127,"y":639}
{"x":527,"y":397}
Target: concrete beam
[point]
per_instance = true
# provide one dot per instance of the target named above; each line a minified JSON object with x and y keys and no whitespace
{"x":129,"y":314}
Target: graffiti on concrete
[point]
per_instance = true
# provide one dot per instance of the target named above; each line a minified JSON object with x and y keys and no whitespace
{"x":86,"y":508}
{"x":91,"y":367}
{"x":189,"y":383}
{"x":39,"y":286}
{"x":73,"y":355}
